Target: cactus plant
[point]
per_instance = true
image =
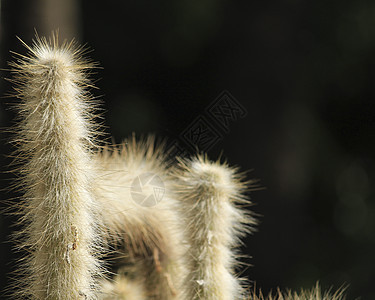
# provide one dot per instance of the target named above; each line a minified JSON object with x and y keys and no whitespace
{"x":54,"y":138}
{"x":82,"y":205}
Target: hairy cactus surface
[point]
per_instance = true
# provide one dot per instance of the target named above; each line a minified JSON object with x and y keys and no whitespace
{"x":209,"y":193}
{"x":54,"y":137}
{"x":117,"y":222}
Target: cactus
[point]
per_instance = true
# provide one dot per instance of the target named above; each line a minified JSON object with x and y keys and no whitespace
{"x":151,"y":235}
{"x":311,"y":294}
{"x":80,"y":207}
{"x":208,"y":193}
{"x":54,"y":138}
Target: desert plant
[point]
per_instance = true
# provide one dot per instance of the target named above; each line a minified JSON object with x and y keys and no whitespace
{"x":81,"y":207}
{"x":54,"y":139}
{"x":208,"y":193}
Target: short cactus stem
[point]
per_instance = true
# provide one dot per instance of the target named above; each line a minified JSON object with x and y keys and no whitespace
{"x":208,"y":193}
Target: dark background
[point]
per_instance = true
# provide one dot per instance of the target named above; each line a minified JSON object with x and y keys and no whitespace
{"x":303,"y":70}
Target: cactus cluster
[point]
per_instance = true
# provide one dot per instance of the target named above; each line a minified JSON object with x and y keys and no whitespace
{"x":88,"y":230}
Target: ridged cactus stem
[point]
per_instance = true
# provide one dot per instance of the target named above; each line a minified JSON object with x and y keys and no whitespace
{"x":208,"y":192}
{"x":54,"y":142}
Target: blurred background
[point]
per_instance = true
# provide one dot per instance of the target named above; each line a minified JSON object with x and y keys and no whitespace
{"x":304,"y":73}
